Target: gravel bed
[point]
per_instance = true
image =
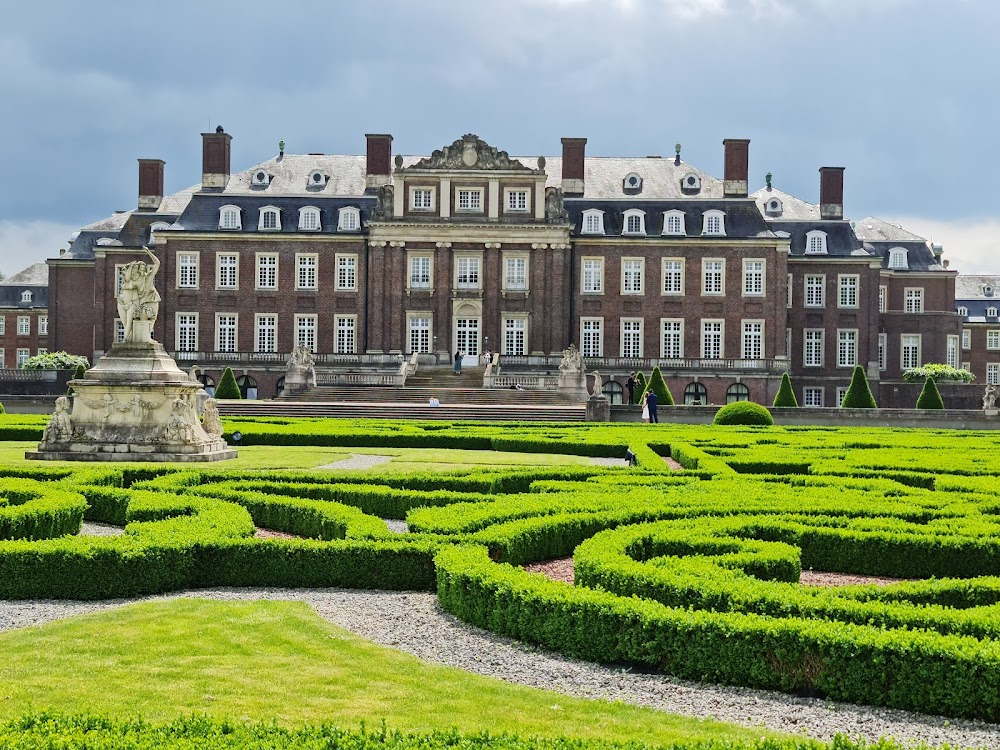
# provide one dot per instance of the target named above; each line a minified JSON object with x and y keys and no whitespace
{"x":599,"y":461}
{"x":100,"y":529}
{"x":358,"y":461}
{"x":396,"y":526}
{"x":414,"y":623}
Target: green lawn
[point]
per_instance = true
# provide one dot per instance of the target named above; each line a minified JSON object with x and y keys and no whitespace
{"x":279,"y":660}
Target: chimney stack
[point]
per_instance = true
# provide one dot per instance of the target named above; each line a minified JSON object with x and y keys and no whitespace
{"x":573,"y":153}
{"x":737,"y":168}
{"x":831,"y":192}
{"x":150,"y":184}
{"x":215,"y":169}
{"x":379,"y":163}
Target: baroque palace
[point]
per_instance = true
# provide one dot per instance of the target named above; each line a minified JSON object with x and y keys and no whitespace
{"x":371,"y":259}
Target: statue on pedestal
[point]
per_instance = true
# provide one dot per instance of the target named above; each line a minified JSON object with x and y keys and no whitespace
{"x":300,"y":372}
{"x":138,"y":299}
{"x":60,"y":426}
{"x":572,"y":360}
{"x":212,"y":422}
{"x":990,"y":397}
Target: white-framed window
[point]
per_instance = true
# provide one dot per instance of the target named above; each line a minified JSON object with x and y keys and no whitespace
{"x":812,"y":396}
{"x":898,"y":258}
{"x":909,"y":351}
{"x":305,"y":270}
{"x":788,"y":291}
{"x":470,"y":199}
{"x":991,"y":312}
{"x":713,"y":276}
{"x":3,"y":325}
{"x":227,"y":271}
{"x":309,"y":219}
{"x":632,"y":275}
{"x":349,"y":219}
{"x":847,"y":290}
{"x":714,"y":223}
{"x":347,"y":272}
{"x":345,"y":341}
{"x":230,"y":217}
{"x":712,"y":339}
{"x":515,"y":336}
{"x":187,"y":331}
{"x":672,"y":338}
{"x":992,"y":338}
{"x":515,"y":273}
{"x":673,"y":276}
{"x":815,"y":286}
{"x":420,"y":272}
{"x":269,"y":219}
{"x":631,"y":338}
{"x":753,"y":339}
{"x":963,"y":311}
{"x":43,"y":325}
{"x":305,"y":331}
{"x":517,"y":201}
{"x":418,"y":333}
{"x":813,"y":347}
{"x":422,"y":199}
{"x":187,"y":270}
{"x":966,"y":338}
{"x":266,"y":333}
{"x":26,"y":296}
{"x":847,"y":347}
{"x":593,"y":221}
{"x":993,"y":373}
{"x":119,"y":331}
{"x":951,"y":351}
{"x":226,"y":328}
{"x":267,"y":270}
{"x":23,"y":325}
{"x":592,"y":271}
{"x":883,"y":296}
{"x":23,"y":355}
{"x":788,"y":343}
{"x":634,"y":222}
{"x":753,"y":277}
{"x":883,"y":351}
{"x":592,"y":337}
{"x":913,"y":299}
{"x":841,"y":393}
{"x":467,"y":272}
{"x":816,"y":242}
{"x":673,"y":223}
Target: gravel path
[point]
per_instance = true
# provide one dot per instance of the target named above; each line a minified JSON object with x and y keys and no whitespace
{"x":100,"y":529}
{"x":600,"y":461}
{"x":413,"y":622}
{"x":358,"y":461}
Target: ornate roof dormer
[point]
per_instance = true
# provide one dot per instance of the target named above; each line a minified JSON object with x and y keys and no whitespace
{"x":469,"y":152}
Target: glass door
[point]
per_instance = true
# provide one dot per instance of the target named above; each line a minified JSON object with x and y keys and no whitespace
{"x":467,"y":340}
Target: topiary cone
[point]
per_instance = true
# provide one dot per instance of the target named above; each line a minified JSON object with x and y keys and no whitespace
{"x":785,"y":395}
{"x":930,"y":396}
{"x":227,"y":387}
{"x":658,"y":386}
{"x":859,"y":393}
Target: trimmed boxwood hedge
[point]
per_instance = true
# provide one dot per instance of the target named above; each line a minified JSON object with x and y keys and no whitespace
{"x":745,"y":413}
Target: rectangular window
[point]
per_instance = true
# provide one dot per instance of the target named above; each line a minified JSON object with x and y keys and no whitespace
{"x":305,"y":271}
{"x":815,"y":291}
{"x":909,"y":351}
{"x":712,"y":276}
{"x":813,"y":346}
{"x":419,"y":334}
{"x":345,"y":326}
{"x":23,"y":355}
{"x":992,"y":338}
{"x":187,"y":270}
{"x":515,"y":274}
{"x":841,"y":392}
{"x":951,"y":351}
{"x":631,"y":338}
{"x":673,"y":276}
{"x":517,"y":201}
{"x":914,"y":300}
{"x":422,"y":199}
{"x":225,"y":332}
{"x":788,"y":344}
{"x":267,"y":271}
{"x":514,"y":336}
{"x":593,"y":276}
{"x":712,"y":339}
{"x":3,"y":325}
{"x":812,"y":396}
{"x":788,"y":291}
{"x":227,"y":271}
{"x":847,"y":347}
{"x":347,"y":273}
{"x":267,"y":333}
{"x":847,"y":294}
{"x":187,"y":332}
{"x":883,"y":347}
{"x":43,"y":325}
{"x":993,"y":373}
{"x":23,"y":325}
{"x":305,"y":331}
{"x":753,"y":339}
{"x":632,"y":272}
{"x":672,"y":338}
{"x":753,"y":278}
{"x":470,"y":200}
{"x":119,"y":331}
{"x":592,"y":337}
{"x":883,"y":296}
{"x":467,"y":273}
{"x":966,"y":338}
{"x":420,"y":272}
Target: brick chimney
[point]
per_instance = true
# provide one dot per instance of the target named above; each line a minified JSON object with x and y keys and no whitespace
{"x":150,"y":184}
{"x":831,"y":192}
{"x":573,"y":153}
{"x":379,"y":163}
{"x":215,"y":158}
{"x":737,"y":168}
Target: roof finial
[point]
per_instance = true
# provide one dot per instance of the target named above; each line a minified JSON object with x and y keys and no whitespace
{"x":767,"y":179}
{"x":281,"y":146}
{"x":677,"y":158}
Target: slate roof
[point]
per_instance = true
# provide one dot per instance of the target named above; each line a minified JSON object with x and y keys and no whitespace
{"x":972,"y":287}
{"x":34,"y":279}
{"x":792,"y":208}
{"x":870,"y":229}
{"x":840,"y":239}
{"x":202,"y":213}
{"x":36,"y":274}
{"x":742,"y":220}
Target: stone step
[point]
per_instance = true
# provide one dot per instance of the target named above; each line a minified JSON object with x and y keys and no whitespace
{"x":370,"y":410}
{"x":421,"y":395}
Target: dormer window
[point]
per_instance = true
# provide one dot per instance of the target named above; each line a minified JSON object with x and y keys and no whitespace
{"x":635,"y":222}
{"x":691,"y":181}
{"x":26,"y":296}
{"x":963,"y":311}
{"x":593,"y":221}
{"x":772,"y":207}
{"x":350,"y":220}
{"x":673,"y":222}
{"x":816,"y":242}
{"x":316,"y":179}
{"x":991,"y":312}
{"x":309,"y":220}
{"x":229,"y":218}
{"x":988,"y":290}
{"x":897,"y":258}
{"x":714,"y":223}
{"x":632,"y":182}
{"x":157,"y":226}
{"x":260,"y":178}
{"x":270,"y":219}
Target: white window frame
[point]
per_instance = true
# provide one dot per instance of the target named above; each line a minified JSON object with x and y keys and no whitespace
{"x":993,"y":339}
{"x":639,"y":218}
{"x":814,"y":290}
{"x":310,"y":219}
{"x":671,"y":338}
{"x":991,"y":312}
{"x":265,"y":269}
{"x":260,"y":345}
{"x":993,"y":373}
{"x":231,"y":218}
{"x":412,"y":262}
{"x":789,"y":288}
{"x":913,"y":299}
{"x":307,"y":331}
{"x":752,"y":338}
{"x":517,"y":200}
{"x":263,"y":220}
{"x":221,"y":340}
{"x":966,"y":338}
{"x":592,"y":337}
{"x":713,"y":338}
{"x":306,"y":271}
{"x":515,"y":279}
{"x":845,"y":298}
{"x":813,"y":347}
{"x":422,"y":191}
{"x":841,"y":394}
{"x":43,"y":325}
{"x":23,"y":325}
{"x":471,"y":278}
{"x":474,"y":206}
{"x":813,"y":393}
{"x":188,"y":270}
{"x":883,"y":351}
{"x":592,"y":221}
{"x":514,"y":340}
{"x":671,"y":275}
{"x":673,"y":223}
{"x":631,"y":330}
{"x":26,"y":296}
{"x":753,"y":278}
{"x":816,"y":242}
{"x":23,"y":355}
{"x":910,"y":345}
{"x":898,"y":258}
{"x":347,"y":272}
{"x":592,"y":275}
{"x":963,"y":311}
{"x":349,"y":219}
{"x":219,"y":267}
{"x":847,"y":357}
{"x":951,"y":351}
{"x":715,"y":289}
{"x":3,"y":326}
{"x":186,"y":325}
{"x":119,"y":331}
{"x":633,"y":272}
{"x":883,"y":298}
{"x":419,"y":337}
{"x":709,"y":226}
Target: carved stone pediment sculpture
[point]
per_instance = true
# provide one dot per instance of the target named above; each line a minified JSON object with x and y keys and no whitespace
{"x":383,"y":204}
{"x":469,"y":152}
{"x":554,"y":208}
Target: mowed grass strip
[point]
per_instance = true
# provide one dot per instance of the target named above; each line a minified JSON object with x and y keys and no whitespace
{"x":265,"y":660}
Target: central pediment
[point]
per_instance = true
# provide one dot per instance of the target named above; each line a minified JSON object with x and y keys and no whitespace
{"x":470,"y":152}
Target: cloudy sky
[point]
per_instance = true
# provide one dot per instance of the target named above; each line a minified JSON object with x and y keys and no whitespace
{"x":903,"y":93}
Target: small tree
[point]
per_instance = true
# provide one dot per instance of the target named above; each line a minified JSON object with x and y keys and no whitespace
{"x":859,"y":393}
{"x":55,"y":361}
{"x":659,"y":387}
{"x":227,"y":387}
{"x":930,"y":396}
{"x":785,"y":395}
{"x":640,"y":388}
{"x":81,"y":371}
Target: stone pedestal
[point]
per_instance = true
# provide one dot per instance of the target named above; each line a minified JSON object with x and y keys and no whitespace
{"x":598,"y":409}
{"x":573,"y":384}
{"x":991,"y":412}
{"x":135,"y":404}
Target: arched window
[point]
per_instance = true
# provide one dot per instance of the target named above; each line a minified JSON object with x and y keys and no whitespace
{"x":737,"y":392}
{"x":613,"y":391}
{"x":593,"y":221}
{"x":280,"y":386}
{"x":309,"y":219}
{"x":714,"y":223}
{"x":695,"y":394}
{"x":26,"y":296}
{"x":350,"y":220}
{"x":897,"y":258}
{"x":963,"y":311}
{"x":248,"y":386}
{"x":673,"y":222}
{"x":991,"y":312}
{"x":635,"y":222}
{"x":270,"y":219}
{"x":207,"y":382}
{"x":816,"y":242}
{"x":229,"y":218}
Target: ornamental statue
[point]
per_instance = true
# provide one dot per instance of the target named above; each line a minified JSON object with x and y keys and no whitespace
{"x":138,"y":300}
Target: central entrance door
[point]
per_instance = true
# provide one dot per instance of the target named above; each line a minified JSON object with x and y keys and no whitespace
{"x":467,"y":340}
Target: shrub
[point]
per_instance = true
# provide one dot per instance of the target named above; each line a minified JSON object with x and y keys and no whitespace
{"x":859,"y":393}
{"x":745,"y":413}
{"x":938,"y":372}
{"x":640,"y":388}
{"x":930,"y":397}
{"x":227,"y":387}
{"x":54,"y":361}
{"x":785,"y":395}
{"x":659,"y":387}
{"x":81,"y":372}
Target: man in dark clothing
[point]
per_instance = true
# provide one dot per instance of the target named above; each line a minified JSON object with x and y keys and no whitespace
{"x":651,"y":402}
{"x":630,"y":387}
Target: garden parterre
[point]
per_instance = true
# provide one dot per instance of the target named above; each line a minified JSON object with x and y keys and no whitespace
{"x":692,"y":572}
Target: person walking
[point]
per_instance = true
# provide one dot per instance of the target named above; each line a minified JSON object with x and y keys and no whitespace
{"x":651,"y":402}
{"x":630,"y":387}
{"x":458,"y":362}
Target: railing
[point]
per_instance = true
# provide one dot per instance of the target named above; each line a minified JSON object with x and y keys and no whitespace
{"x":10,"y":374}
{"x":391,"y":380}
{"x":703,"y":365}
{"x":527,"y":381}
{"x":384,"y":360}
